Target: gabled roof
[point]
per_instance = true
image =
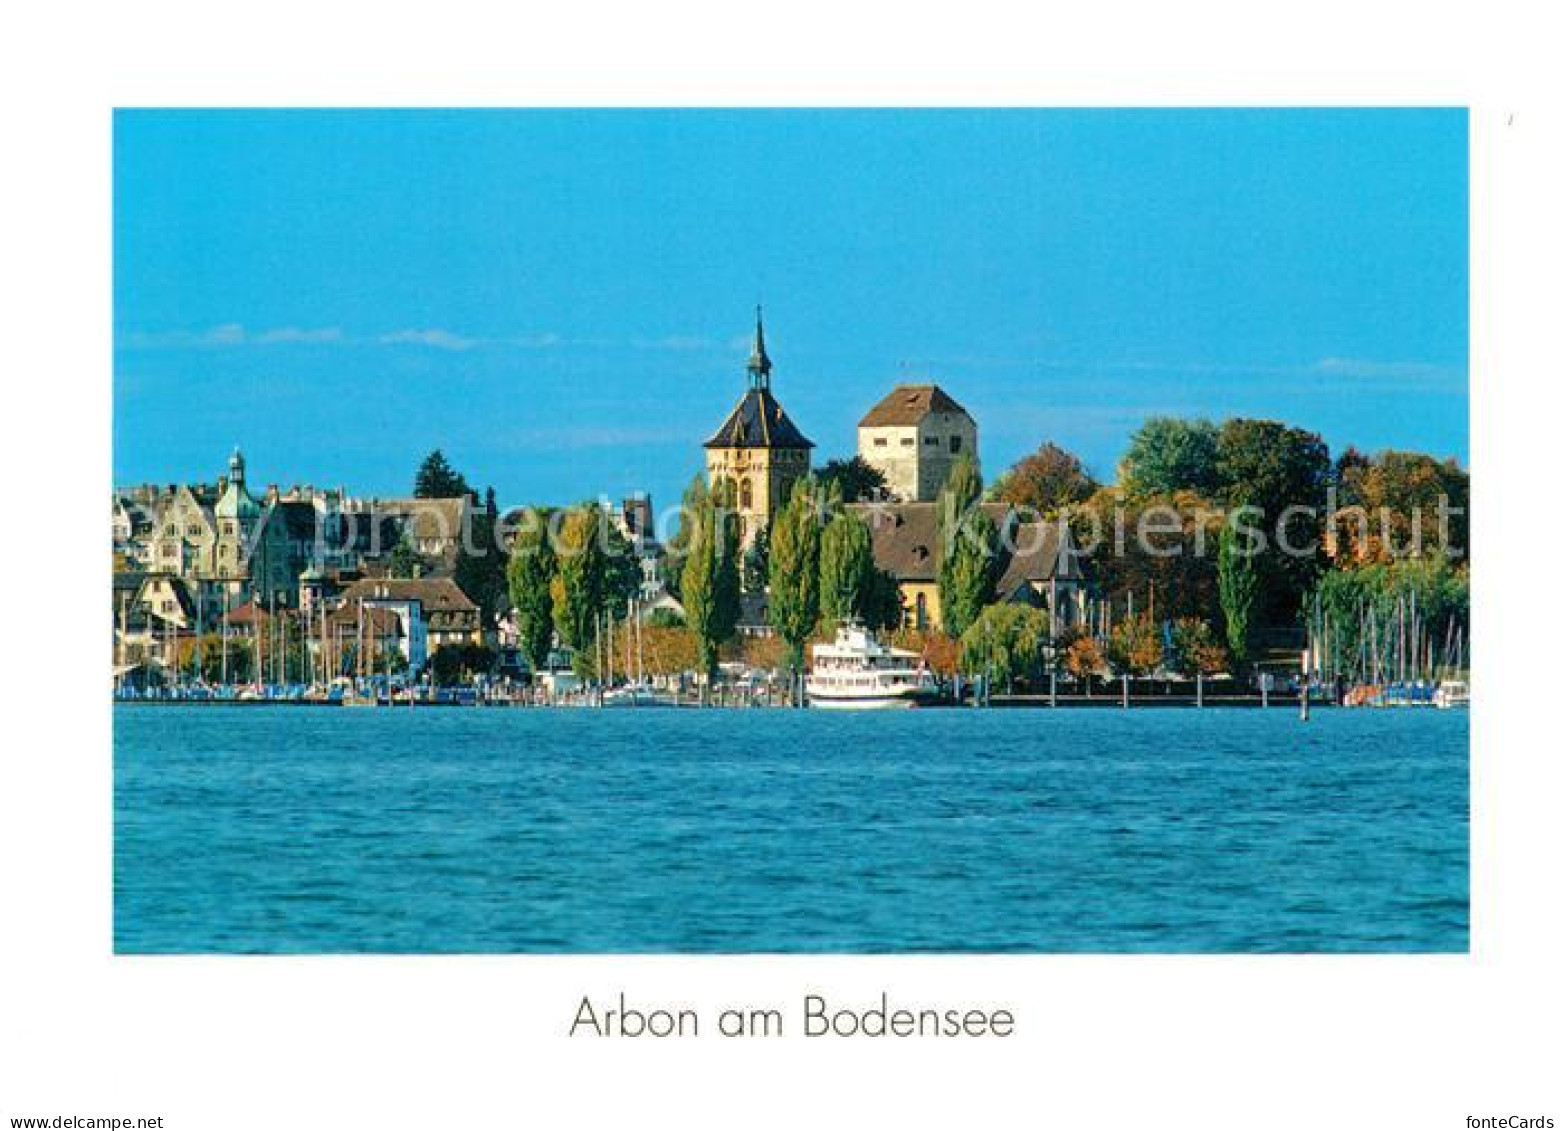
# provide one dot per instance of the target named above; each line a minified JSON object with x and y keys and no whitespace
{"x":758,"y":421}
{"x":435,"y":594}
{"x":431,"y":519}
{"x":178,"y":586}
{"x":907,"y":544}
{"x":905,"y":405}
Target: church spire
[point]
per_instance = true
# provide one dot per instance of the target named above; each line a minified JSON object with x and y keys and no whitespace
{"x":759,"y":364}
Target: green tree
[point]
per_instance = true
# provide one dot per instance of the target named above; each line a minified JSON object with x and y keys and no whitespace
{"x":481,"y":562}
{"x":456,"y":664}
{"x":1195,"y":648}
{"x":594,"y":576}
{"x":1047,"y":481}
{"x":757,"y":560}
{"x":846,"y":569}
{"x":1284,"y":472}
{"x":1238,"y":586}
{"x":963,"y":488}
{"x":1169,"y":454}
{"x":968,"y":543}
{"x":710,"y":579}
{"x":794,"y":606}
{"x":1007,"y":643}
{"x":530,"y":576}
{"x":437,"y":479}
{"x":856,"y":479}
{"x":697,"y":496}
{"x":1364,"y":615}
{"x":883,"y":609}
{"x":404,"y":561}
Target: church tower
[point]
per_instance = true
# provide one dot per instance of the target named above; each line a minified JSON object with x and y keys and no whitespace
{"x":758,"y":448}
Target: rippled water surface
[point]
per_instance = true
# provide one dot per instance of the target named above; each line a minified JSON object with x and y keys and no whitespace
{"x":278,"y":829}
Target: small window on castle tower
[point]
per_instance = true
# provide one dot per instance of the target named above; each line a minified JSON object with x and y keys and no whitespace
{"x":955,"y":443}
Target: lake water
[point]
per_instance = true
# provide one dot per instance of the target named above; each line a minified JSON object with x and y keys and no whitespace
{"x":295,"y":830}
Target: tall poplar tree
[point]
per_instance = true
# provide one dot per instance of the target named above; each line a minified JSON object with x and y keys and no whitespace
{"x":846,"y":570}
{"x":969,"y":543}
{"x":794,"y":606}
{"x":1238,"y":587}
{"x":594,"y":577}
{"x":529,"y":575}
{"x":709,"y":582}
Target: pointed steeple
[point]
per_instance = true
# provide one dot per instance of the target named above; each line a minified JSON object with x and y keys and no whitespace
{"x":759,"y":364}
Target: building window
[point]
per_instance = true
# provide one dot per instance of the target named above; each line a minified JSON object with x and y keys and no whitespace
{"x":920,"y":612}
{"x":932,"y":441}
{"x":746,"y":494}
{"x":955,"y":443}
{"x":879,"y":441}
{"x":907,"y":441}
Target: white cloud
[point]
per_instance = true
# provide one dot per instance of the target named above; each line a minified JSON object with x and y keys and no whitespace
{"x":294,"y":334}
{"x":1359,"y":367}
{"x":436,"y":339}
{"x":227,"y":335}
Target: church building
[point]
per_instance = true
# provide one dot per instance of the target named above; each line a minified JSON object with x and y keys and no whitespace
{"x":758,"y":448}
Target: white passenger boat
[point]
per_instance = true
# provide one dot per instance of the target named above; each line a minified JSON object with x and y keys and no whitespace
{"x":857,"y":672}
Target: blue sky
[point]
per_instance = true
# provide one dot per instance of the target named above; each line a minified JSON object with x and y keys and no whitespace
{"x":561,"y":300}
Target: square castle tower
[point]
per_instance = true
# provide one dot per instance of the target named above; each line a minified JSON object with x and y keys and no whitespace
{"x":914,"y":437}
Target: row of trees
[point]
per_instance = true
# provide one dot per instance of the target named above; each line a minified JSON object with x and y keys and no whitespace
{"x":1182,"y":485}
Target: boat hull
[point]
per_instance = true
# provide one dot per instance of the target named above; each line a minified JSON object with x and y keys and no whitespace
{"x":876,"y":702}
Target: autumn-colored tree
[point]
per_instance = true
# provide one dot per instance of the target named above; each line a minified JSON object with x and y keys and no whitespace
{"x":1046,"y":481}
{"x":668,"y":650}
{"x":1161,"y":548}
{"x":941,"y":654}
{"x":1399,"y":505}
{"x":1134,"y":646}
{"x":1195,"y":648}
{"x":1084,"y":660}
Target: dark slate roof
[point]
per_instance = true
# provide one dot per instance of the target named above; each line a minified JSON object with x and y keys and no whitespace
{"x":907,"y":544}
{"x":905,"y":405}
{"x":758,"y":421}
